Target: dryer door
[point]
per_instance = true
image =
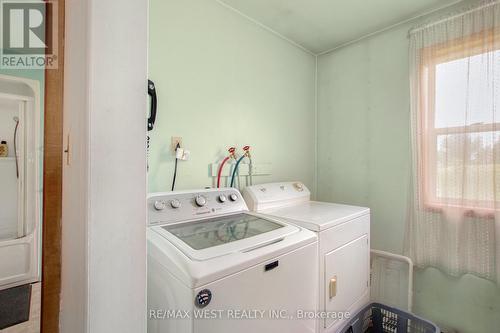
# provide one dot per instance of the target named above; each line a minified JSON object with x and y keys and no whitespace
{"x":346,"y":278}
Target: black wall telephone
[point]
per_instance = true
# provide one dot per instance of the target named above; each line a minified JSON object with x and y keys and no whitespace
{"x":154,"y":104}
{"x":152,"y":111}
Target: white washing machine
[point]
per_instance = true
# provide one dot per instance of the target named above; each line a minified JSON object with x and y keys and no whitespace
{"x":344,"y":245}
{"x":214,"y":267}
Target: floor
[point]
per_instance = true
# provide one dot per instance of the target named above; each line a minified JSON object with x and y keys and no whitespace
{"x":33,"y":325}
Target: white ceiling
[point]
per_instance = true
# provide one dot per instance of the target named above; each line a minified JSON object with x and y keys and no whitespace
{"x":321,"y":25}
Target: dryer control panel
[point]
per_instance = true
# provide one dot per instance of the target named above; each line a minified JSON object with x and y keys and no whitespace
{"x":273,"y":195}
{"x":181,"y":206}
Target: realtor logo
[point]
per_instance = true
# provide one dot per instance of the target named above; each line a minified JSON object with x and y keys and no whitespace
{"x":29,"y":37}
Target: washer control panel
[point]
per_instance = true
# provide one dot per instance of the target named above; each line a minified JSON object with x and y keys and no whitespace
{"x":173,"y":207}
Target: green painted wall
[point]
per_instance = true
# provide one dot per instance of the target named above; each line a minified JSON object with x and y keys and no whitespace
{"x":223,"y":80}
{"x":363,"y":158}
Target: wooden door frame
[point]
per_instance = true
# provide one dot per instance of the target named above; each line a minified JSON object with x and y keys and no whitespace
{"x":52,"y":181}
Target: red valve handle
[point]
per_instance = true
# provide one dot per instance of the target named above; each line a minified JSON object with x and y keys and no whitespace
{"x":231,"y":150}
{"x":246,"y":148}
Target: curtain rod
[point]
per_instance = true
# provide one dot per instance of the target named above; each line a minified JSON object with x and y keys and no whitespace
{"x":428,"y":25}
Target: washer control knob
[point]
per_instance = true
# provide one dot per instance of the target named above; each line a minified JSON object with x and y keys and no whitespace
{"x":222,"y":198}
{"x":200,"y":201}
{"x":159,"y":205}
{"x":233,"y":197}
{"x":175,"y":203}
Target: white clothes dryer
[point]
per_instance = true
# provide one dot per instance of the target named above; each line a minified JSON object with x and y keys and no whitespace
{"x":344,"y":245}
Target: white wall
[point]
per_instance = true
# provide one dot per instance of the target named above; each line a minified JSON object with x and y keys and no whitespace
{"x":104,"y":211}
{"x":223,"y":80}
{"x":74,"y":275}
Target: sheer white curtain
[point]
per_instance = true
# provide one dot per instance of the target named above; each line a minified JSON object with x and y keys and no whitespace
{"x":453,"y":220}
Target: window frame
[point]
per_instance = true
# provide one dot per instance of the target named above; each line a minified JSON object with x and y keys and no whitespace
{"x":427,"y":134}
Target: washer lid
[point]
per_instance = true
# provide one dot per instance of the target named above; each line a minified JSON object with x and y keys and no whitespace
{"x":317,"y":216}
{"x":214,"y":237}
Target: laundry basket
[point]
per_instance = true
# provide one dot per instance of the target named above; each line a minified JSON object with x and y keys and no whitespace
{"x":379,"y":318}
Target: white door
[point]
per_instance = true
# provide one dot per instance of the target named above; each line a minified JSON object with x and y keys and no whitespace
{"x":346,"y":277}
{"x":20,"y":189}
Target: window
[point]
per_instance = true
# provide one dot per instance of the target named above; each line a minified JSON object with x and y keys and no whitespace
{"x":459,"y":124}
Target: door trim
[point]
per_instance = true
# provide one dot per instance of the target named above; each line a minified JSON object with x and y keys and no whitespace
{"x":52,"y":179}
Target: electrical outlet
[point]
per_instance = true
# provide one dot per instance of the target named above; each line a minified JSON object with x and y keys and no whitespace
{"x":176,"y":140}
